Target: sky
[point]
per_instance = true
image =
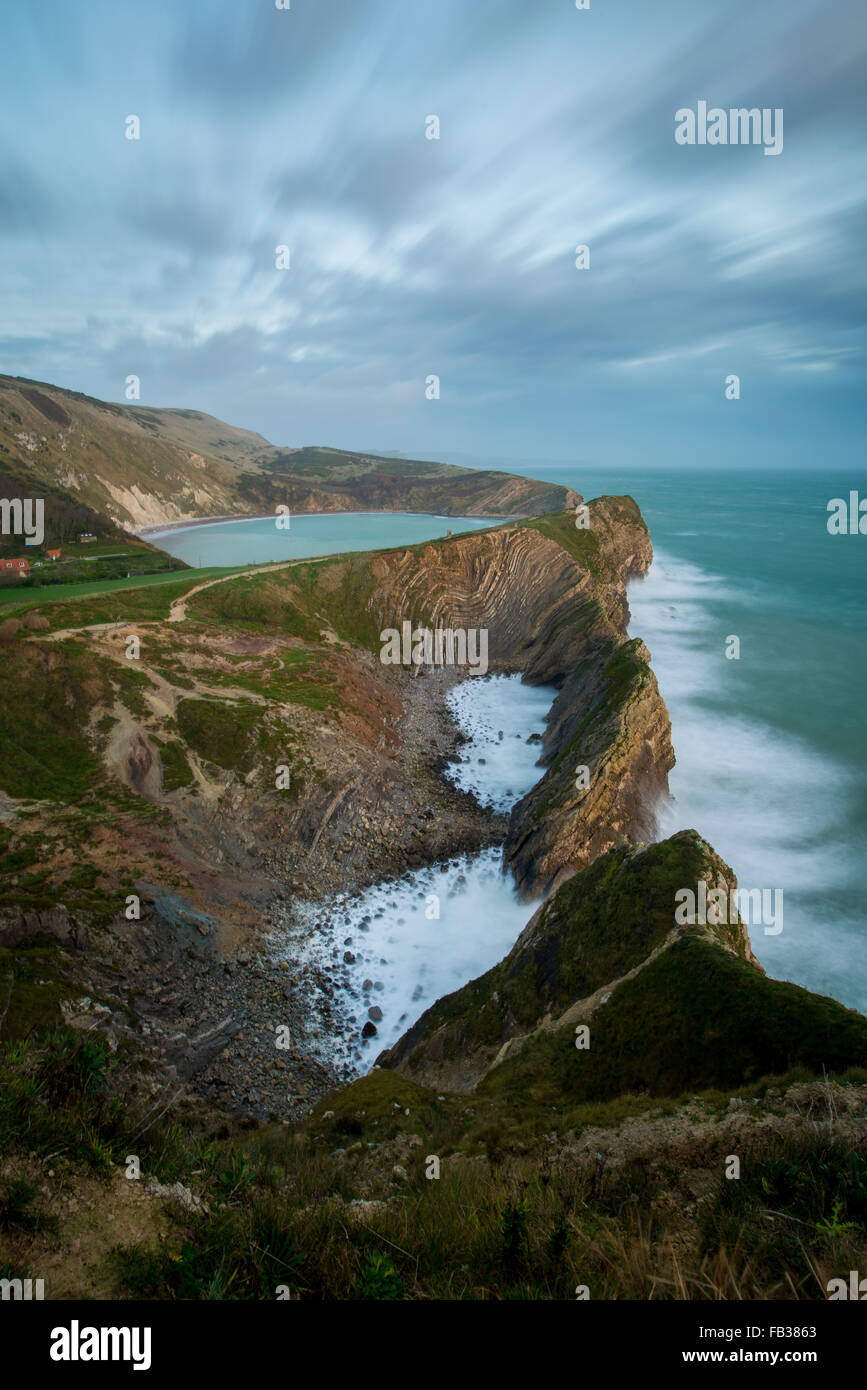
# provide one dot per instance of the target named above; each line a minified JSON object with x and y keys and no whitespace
{"x":412,"y":257}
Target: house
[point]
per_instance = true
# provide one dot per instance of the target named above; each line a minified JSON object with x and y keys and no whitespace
{"x":53,"y":554}
{"x":19,"y":567}
{"x":86,"y":537}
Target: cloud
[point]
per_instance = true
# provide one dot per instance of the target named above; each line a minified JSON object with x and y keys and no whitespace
{"x":409,"y":256}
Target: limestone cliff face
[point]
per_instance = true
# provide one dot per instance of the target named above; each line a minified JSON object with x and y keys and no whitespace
{"x":608,"y":749}
{"x":547,"y":593}
{"x":553,"y":601}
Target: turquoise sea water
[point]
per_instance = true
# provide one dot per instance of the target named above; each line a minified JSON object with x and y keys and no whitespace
{"x":260,"y":540}
{"x":771,"y":748}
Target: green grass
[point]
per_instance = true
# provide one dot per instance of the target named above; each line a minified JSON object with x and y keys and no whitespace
{"x":43,"y":750}
{"x":336,"y":591}
{"x":517,"y":1227}
{"x":792,"y":1210}
{"x":221,"y":733}
{"x":299,"y":601}
{"x":176,"y":769}
{"x":346,"y":604}
{"x":55,"y":1097}
{"x":77,"y":549}
{"x":521,"y":1221}
{"x":235,"y":736}
{"x":582,"y":545}
{"x":31,"y":989}
{"x":13,"y":600}
{"x":260,"y":603}
{"x":696,"y":1018}
{"x":19,"y":1209}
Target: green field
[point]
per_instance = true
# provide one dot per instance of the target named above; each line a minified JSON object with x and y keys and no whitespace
{"x":17,"y":600}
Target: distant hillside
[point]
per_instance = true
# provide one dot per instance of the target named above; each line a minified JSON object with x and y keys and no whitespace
{"x":109,"y":553}
{"x":139,"y":466}
{"x":64,"y":516}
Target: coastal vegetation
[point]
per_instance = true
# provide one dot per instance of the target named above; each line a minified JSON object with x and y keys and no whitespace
{"x":563,"y":1122}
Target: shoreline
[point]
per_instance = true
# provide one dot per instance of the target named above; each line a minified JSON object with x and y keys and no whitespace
{"x":283,"y":970}
{"x":162,"y":528}
{"x":309,"y":935}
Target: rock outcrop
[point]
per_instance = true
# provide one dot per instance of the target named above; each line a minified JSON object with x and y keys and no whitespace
{"x":608,"y":749}
{"x":665,"y":1007}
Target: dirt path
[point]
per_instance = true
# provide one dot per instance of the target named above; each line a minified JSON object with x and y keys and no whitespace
{"x":178,"y":606}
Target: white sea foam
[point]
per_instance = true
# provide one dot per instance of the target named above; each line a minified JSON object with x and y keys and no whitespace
{"x":408,"y":955}
{"x":497,"y":764}
{"x":772,"y":806}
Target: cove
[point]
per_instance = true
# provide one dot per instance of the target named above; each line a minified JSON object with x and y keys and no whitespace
{"x":391,"y":951}
{"x":261,"y":540}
